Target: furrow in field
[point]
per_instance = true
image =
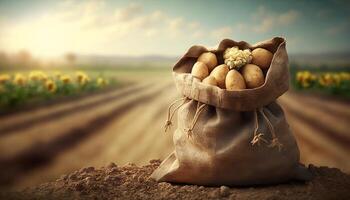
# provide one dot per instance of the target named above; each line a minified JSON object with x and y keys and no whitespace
{"x":131,"y":138}
{"x":153,"y":144}
{"x":103,"y":147}
{"x":56,"y":102}
{"x":333,"y":127}
{"x":42,"y":154}
{"x":311,"y":153}
{"x":151,"y":135}
{"x":42,"y":133}
{"x":337,"y":108}
{"x":160,"y":149}
{"x":26,"y":120}
{"x":331,"y":150}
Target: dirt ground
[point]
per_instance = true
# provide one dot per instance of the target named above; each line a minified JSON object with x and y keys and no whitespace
{"x":132,"y":182}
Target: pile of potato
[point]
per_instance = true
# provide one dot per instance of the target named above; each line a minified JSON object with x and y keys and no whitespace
{"x":242,"y":69}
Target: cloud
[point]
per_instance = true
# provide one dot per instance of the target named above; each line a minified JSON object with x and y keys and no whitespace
{"x":221,"y":32}
{"x":288,"y":18}
{"x":323,"y":13}
{"x":194,"y":25}
{"x":151,"y":32}
{"x":129,"y":12}
{"x":176,"y":26}
{"x":198,"y":34}
{"x":338,"y":29}
{"x":91,"y":27}
{"x":266,"y":20}
{"x":265,"y":25}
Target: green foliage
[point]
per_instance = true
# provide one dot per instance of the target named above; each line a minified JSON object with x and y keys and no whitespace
{"x":333,"y":83}
{"x":18,"y":89}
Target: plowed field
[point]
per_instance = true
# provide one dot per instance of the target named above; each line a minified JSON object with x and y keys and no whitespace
{"x":125,"y":124}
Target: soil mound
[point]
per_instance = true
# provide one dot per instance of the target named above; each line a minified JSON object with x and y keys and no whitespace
{"x":132,"y":182}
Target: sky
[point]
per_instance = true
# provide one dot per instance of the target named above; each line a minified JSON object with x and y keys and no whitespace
{"x":158,"y":27}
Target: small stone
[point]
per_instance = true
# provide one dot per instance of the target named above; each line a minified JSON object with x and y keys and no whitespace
{"x":111,"y":165}
{"x":214,"y":194}
{"x":164,"y":185}
{"x":72,"y":176}
{"x":201,"y":188}
{"x":130,"y":165}
{"x":155,"y":161}
{"x":83,"y":174}
{"x":273,"y":197}
{"x":134,"y":176}
{"x":233,"y":196}
{"x":87,"y":169}
{"x":127,"y":173}
{"x":64,"y":177}
{"x":140,"y":179}
{"x":311,"y":166}
{"x":87,"y":180}
{"x":107,"y":178}
{"x":112,"y":170}
{"x":224,"y":191}
{"x":79,"y":187}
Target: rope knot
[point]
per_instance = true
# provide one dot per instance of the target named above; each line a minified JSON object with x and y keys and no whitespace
{"x":189,"y":132}
{"x":195,"y":119}
{"x":259,"y":136}
{"x":276,"y":143}
{"x":168,"y":122}
{"x":257,"y":139}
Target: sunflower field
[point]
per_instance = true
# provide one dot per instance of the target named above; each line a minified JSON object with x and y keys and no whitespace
{"x":21,"y":88}
{"x":335,"y":83}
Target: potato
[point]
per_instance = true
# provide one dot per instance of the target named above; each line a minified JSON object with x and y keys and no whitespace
{"x":252,"y":75}
{"x":209,"y":59}
{"x":200,"y":70}
{"x":234,"y":80}
{"x":210,"y":80}
{"x":262,"y":58}
{"x":219,"y":73}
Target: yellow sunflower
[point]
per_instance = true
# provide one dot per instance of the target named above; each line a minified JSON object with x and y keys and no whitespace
{"x":50,"y":86}
{"x":20,"y":79}
{"x":82,"y":77}
{"x":37,"y":76}
{"x":4,"y":78}
{"x":101,"y":82}
{"x":66,"y":79}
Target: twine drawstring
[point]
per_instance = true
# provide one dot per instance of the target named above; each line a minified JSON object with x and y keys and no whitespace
{"x":275,"y":142}
{"x":170,"y":116}
{"x":259,"y":136}
{"x":195,"y":119}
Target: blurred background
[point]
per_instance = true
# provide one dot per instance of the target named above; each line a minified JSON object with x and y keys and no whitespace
{"x":86,"y":83}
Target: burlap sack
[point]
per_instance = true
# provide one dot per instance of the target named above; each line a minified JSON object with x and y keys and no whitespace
{"x":232,"y":137}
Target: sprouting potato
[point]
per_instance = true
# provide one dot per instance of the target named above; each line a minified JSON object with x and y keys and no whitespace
{"x":252,"y":75}
{"x":262,"y":58}
{"x":210,"y":80}
{"x":235,"y":58}
{"x":209,"y":59}
{"x":200,"y":70}
{"x":234,"y":81}
{"x":219,"y":73}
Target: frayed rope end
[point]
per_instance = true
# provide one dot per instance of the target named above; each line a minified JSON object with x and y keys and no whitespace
{"x":167,"y":125}
{"x":257,"y":139}
{"x":189,"y":132}
{"x":276,"y":143}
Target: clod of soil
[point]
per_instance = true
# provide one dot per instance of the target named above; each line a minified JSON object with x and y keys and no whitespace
{"x":132,"y":182}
